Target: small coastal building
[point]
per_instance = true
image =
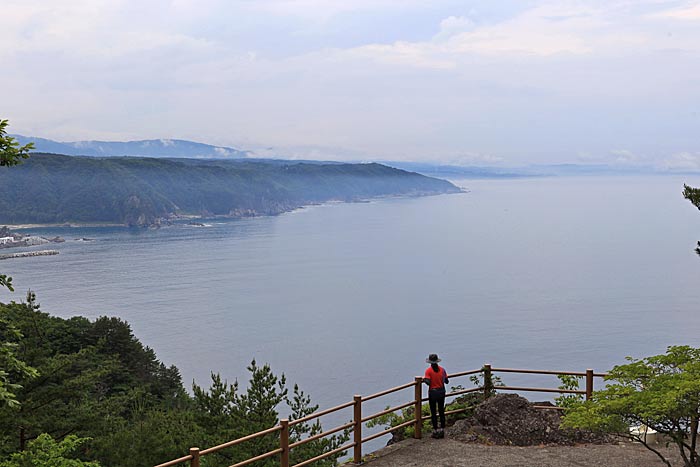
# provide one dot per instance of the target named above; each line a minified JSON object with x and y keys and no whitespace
{"x":6,"y":240}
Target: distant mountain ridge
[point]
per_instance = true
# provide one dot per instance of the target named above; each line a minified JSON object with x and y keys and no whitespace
{"x":178,"y":148}
{"x":143,"y":148}
{"x":540,"y":170}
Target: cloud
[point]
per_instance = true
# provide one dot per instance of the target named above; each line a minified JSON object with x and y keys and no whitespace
{"x":100,"y":30}
{"x":453,"y":25}
{"x":325,"y":9}
{"x":536,"y":32}
{"x":539,"y":81}
{"x":549,"y":29}
{"x":683,"y":161}
{"x":689,"y":13}
{"x":624,"y":156}
{"x":405,"y":54}
{"x":468,"y":159}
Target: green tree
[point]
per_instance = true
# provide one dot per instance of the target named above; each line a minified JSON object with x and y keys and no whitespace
{"x":6,"y":281}
{"x":12,"y":368}
{"x":693,"y":195}
{"x":46,"y":452}
{"x":149,"y":437}
{"x":214,"y":410}
{"x":301,"y":406}
{"x":236,"y":415}
{"x":258,"y":405}
{"x":661,"y":392}
{"x":227,"y":414}
{"x":11,"y":153}
{"x":69,"y":394}
{"x":97,"y":380}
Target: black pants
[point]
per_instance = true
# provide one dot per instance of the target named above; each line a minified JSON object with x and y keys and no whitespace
{"x":436,"y":399}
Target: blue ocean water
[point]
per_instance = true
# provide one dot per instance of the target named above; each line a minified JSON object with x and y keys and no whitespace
{"x":551,"y":273}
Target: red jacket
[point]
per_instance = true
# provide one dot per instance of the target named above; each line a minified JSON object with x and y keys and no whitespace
{"x":437,"y":379}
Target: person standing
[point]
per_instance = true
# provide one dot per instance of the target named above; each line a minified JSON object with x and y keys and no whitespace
{"x":436,"y":378}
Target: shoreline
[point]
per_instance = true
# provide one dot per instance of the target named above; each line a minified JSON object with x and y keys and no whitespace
{"x":184,"y":217}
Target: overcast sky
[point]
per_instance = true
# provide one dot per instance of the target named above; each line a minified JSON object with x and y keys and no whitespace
{"x":469,"y":82}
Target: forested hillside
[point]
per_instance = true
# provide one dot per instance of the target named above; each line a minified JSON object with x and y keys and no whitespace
{"x":51,"y":188}
{"x":96,"y":381}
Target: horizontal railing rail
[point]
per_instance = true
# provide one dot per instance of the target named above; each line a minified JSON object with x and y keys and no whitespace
{"x":321,"y":413}
{"x":179,"y":460}
{"x":388,"y":391}
{"x":525,"y":389}
{"x":322,"y":435}
{"x":241,"y":440}
{"x":358,"y":420}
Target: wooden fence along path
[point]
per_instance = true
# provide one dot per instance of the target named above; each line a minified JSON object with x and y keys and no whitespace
{"x":358,"y":420}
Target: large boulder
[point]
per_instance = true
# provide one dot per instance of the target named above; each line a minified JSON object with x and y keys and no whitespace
{"x":509,"y":419}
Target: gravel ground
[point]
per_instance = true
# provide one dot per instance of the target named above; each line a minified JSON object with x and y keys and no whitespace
{"x":450,"y":453}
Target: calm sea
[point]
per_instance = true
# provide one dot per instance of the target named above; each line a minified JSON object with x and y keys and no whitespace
{"x":552,"y":273}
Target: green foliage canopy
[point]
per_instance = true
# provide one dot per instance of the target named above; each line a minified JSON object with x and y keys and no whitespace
{"x":229,"y":414}
{"x":97,"y":381}
{"x":693,"y":195}
{"x":661,"y":392}
{"x":12,"y":368}
{"x":46,"y":452}
{"x":11,"y":153}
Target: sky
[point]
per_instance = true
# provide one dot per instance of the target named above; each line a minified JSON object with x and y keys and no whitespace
{"x":454,"y":82}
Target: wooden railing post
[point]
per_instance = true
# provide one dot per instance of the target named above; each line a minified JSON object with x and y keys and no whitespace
{"x":194,"y":452}
{"x":284,"y":443}
{"x":488,"y":382}
{"x":589,"y":384}
{"x":357,"y":430}
{"x":418,"y":408}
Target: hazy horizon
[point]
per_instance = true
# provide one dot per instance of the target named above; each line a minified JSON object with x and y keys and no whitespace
{"x":483,"y":83}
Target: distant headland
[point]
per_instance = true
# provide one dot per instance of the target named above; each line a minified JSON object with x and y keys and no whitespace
{"x":140,"y":191}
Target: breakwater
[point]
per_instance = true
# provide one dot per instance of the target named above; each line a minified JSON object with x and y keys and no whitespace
{"x":26,"y":254}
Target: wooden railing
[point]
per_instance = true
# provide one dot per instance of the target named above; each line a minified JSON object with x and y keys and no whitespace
{"x":488,"y":388}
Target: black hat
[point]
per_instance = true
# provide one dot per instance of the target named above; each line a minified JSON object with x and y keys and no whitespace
{"x":432,"y":358}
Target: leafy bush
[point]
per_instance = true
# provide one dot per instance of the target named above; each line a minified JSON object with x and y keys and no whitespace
{"x":661,"y":392}
{"x":569,"y":382}
{"x":46,"y":452}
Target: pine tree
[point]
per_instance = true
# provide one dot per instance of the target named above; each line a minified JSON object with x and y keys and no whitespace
{"x":693,"y":195}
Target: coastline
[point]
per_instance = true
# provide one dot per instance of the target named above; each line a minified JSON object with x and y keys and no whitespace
{"x":168,"y":219}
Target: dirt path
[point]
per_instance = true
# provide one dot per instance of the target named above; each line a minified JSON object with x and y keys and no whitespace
{"x":451,"y":453}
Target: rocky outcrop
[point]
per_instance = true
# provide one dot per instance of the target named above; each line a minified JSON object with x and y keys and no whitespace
{"x":510,"y":419}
